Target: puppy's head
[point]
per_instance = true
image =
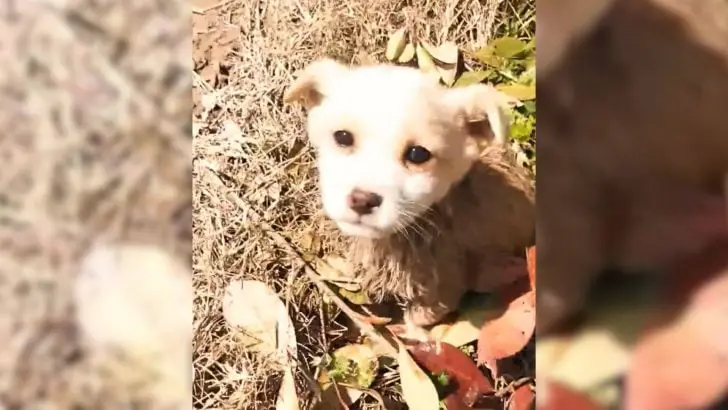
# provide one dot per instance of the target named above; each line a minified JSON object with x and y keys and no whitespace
{"x":390,"y":140}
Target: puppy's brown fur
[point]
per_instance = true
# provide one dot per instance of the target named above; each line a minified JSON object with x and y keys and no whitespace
{"x":633,"y":139}
{"x":474,"y":239}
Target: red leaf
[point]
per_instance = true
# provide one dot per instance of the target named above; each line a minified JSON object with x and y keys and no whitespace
{"x":531,"y":265}
{"x":437,"y":357}
{"x":522,"y":398}
{"x":560,"y":397}
{"x":675,"y":369}
{"x":508,"y":334}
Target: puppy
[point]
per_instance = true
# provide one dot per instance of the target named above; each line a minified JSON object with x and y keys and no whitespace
{"x":633,"y":140}
{"x":417,"y":177}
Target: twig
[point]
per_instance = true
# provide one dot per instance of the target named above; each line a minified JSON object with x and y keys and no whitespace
{"x":283,"y":242}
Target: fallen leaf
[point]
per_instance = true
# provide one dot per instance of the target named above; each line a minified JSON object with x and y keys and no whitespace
{"x":252,"y":307}
{"x":438,"y":358}
{"x":407,"y":54}
{"x":518,"y":91}
{"x":360,"y":297}
{"x":137,"y":300}
{"x":471,"y":77}
{"x":287,"y":398}
{"x":447,"y":74}
{"x":424,"y":60}
{"x":311,"y":246}
{"x":339,"y":272}
{"x":446,"y":53}
{"x":522,"y":398}
{"x":418,"y":390}
{"x":531,"y":265}
{"x":555,"y":396}
{"x":396,"y":44}
{"x":507,"y":47}
{"x":466,"y":327}
{"x":352,"y":370}
{"x":355,"y":365}
{"x":509,"y":333}
{"x":486,"y":56}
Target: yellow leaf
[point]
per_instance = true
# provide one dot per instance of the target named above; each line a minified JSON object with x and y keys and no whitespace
{"x":396,"y":44}
{"x":446,"y":53}
{"x":507,"y":47}
{"x":417,"y":388}
{"x":447,"y":75}
{"x":471,"y":77}
{"x":424,"y":60}
{"x":518,"y":91}
{"x":407,"y":54}
{"x":339,"y":272}
{"x":466,"y":327}
{"x":358,"y":297}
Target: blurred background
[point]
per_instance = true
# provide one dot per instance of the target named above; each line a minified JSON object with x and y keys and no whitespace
{"x":95,"y":202}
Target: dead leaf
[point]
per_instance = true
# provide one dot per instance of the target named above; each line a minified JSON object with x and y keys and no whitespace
{"x":418,"y":390}
{"x":360,"y":297}
{"x":396,"y":44}
{"x":352,"y":370}
{"x":447,"y":74}
{"x":424,"y":60}
{"x":471,"y":77}
{"x":407,"y":54}
{"x":287,"y":398}
{"x":339,"y":272}
{"x":675,"y":368}
{"x":555,"y":396}
{"x":519,"y":91}
{"x":466,"y":327}
{"x":438,"y":358}
{"x":531,"y":265}
{"x":522,"y":398}
{"x":252,"y":307}
{"x":311,"y":246}
{"x":137,"y":300}
{"x":446,"y":53}
{"x":508,"y":334}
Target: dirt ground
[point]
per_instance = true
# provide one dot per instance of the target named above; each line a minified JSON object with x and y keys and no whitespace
{"x":95,"y":115}
{"x":248,"y":144}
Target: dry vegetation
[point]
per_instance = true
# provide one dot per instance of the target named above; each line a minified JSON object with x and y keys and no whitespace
{"x":252,"y":158}
{"x":95,"y":114}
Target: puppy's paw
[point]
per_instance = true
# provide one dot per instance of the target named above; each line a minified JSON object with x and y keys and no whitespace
{"x":425,"y":315}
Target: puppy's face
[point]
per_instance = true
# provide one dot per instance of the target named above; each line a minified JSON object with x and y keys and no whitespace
{"x":390,"y":140}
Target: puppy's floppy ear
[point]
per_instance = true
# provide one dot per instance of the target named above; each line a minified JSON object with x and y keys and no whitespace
{"x":309,"y":87}
{"x":484,"y":110}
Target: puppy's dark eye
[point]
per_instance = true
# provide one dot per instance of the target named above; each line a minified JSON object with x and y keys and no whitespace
{"x":344,"y":138}
{"x":417,"y":155}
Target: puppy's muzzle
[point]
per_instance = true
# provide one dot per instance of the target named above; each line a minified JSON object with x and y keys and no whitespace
{"x":363,"y":202}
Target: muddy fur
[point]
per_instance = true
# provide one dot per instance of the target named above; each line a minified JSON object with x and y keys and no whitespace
{"x":633,"y":140}
{"x":474,"y":239}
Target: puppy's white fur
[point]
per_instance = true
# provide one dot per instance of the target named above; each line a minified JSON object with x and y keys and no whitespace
{"x":388,"y":109}
{"x":444,"y":226}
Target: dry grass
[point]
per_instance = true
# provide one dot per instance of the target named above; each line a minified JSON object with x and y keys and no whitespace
{"x":95,"y":115}
{"x":243,"y":132}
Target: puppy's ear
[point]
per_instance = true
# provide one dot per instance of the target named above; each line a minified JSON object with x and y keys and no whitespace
{"x":484,"y":110}
{"x":309,"y":88}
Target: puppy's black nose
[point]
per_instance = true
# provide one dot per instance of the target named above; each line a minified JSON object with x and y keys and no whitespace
{"x":363,"y":202}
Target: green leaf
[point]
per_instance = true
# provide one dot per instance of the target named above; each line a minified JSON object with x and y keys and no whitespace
{"x":357,"y":298}
{"x":519,"y":91}
{"x":508,"y":47}
{"x":486,"y":56}
{"x":472,"y":77}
